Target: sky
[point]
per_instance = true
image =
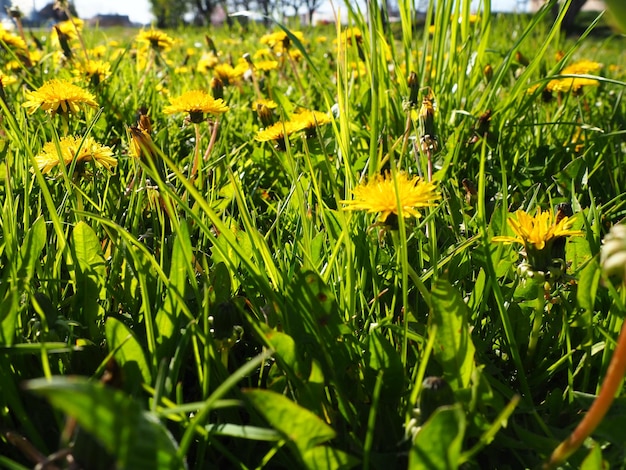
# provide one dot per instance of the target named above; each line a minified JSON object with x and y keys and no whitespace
{"x":139,"y":10}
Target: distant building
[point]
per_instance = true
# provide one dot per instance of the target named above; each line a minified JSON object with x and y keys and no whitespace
{"x":108,"y":21}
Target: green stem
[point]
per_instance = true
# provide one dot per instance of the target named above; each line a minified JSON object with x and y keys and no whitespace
{"x":537,"y":320}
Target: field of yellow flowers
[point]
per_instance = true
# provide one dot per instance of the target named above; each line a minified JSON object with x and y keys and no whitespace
{"x":367,"y":245}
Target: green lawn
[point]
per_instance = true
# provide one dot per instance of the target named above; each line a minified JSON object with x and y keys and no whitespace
{"x":355,"y":246}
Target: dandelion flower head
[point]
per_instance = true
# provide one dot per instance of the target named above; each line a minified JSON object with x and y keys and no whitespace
{"x":537,"y":233}
{"x":157,"y":40}
{"x":74,"y":148}
{"x":276,"y":132}
{"x":196,"y":103}
{"x":382,"y":195}
{"x":59,"y":95}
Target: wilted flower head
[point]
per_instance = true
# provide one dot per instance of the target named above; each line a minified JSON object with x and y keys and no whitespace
{"x":59,"y":96}
{"x":196,"y":103}
{"x":83,"y":150}
{"x":382,"y":195}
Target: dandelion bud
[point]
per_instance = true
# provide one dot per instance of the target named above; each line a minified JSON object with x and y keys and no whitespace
{"x":64,"y":42}
{"x":141,"y":144}
{"x":217,"y":88}
{"x":210,"y":44}
{"x":521,"y":59}
{"x":613,"y":252}
{"x":15,"y":12}
{"x":144,"y":122}
{"x":414,"y":86}
{"x":488,"y":72}
{"x":265,"y":115}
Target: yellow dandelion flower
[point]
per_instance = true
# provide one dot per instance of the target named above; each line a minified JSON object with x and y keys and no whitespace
{"x":7,"y":80}
{"x":100,"y":51}
{"x":309,"y":120}
{"x":582,"y":67}
{"x":539,"y":232}
{"x":68,"y":28}
{"x":95,"y":71}
{"x":266,"y":65}
{"x":13,"y":41}
{"x":573,"y":84}
{"x":543,"y":238}
{"x":352,"y":35}
{"x":229,"y":74}
{"x":381,"y":195}
{"x":158,"y":40}
{"x":59,"y":96}
{"x":276,"y":133}
{"x":265,"y":102}
{"x":206,"y":62}
{"x":196,"y":103}
{"x":74,"y":148}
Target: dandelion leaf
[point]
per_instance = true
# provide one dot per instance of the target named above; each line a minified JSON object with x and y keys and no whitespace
{"x":454,"y":349}
{"x":135,"y":438}
{"x":89,"y":277}
{"x":438,"y":444}
{"x":299,"y":425}
{"x":128,"y":352}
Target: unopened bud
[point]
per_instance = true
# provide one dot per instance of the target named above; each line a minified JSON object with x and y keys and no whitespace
{"x":217,"y":88}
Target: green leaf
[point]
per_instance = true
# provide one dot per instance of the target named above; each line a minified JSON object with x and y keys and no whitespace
{"x":438,"y":444}
{"x":31,"y":249}
{"x":167,"y":317}
{"x":135,"y":438}
{"x":618,"y":11}
{"x":593,"y":461}
{"x":127,"y":352}
{"x":254,"y":433}
{"x":382,"y":356}
{"x":328,"y":458}
{"x":453,"y":347}
{"x":9,"y":310}
{"x":89,"y":277}
{"x":297,"y":424}
{"x":588,"y":286}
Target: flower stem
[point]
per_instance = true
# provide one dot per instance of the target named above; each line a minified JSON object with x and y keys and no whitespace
{"x":537,"y":320}
{"x":600,"y":406}
{"x":196,"y":155}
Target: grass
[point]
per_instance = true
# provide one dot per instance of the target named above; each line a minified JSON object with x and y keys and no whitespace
{"x":239,"y":317}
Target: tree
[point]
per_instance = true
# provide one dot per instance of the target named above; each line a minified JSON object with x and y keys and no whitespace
{"x":569,"y":20}
{"x":169,"y":13}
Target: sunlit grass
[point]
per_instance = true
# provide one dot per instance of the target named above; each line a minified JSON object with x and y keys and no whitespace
{"x":248,"y":295}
